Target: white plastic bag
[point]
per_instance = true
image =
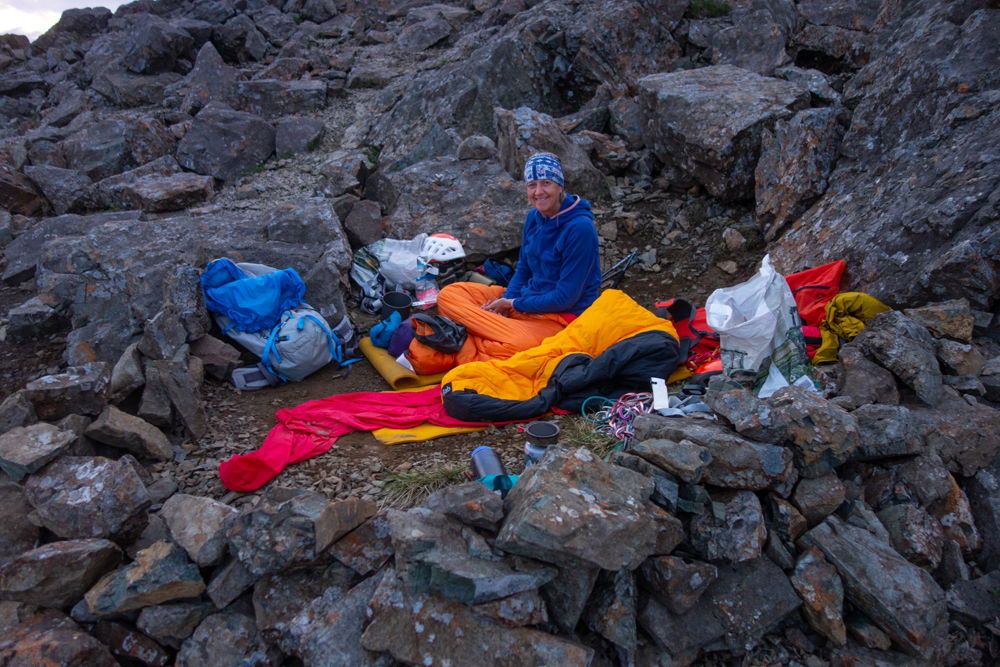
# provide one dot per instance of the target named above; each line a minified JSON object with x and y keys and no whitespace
{"x":759,"y":326}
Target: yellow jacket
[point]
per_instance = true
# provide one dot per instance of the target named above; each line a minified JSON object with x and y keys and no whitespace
{"x":846,"y":315}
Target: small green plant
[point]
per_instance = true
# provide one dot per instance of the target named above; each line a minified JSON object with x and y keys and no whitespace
{"x":372,"y":153}
{"x":408,"y":487}
{"x":297,"y":19}
{"x":581,"y":433}
{"x":708,"y":9}
{"x":259,"y":169}
{"x":287,"y":155}
{"x":314,"y":143}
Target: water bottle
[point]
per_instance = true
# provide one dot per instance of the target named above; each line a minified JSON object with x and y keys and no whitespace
{"x":486,"y":462}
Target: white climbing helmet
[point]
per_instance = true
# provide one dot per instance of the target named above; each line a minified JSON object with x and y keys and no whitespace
{"x":442,"y":248}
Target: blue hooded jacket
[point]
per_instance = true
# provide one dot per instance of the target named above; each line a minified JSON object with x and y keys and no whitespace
{"x":559,"y":269}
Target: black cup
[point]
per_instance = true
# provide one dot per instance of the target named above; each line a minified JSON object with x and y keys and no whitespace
{"x":396,"y":302}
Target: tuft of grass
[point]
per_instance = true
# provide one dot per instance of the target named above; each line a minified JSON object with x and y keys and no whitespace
{"x":407,"y":488}
{"x":707,"y":9}
{"x":372,"y":153}
{"x":580,"y":433}
{"x":314,"y":143}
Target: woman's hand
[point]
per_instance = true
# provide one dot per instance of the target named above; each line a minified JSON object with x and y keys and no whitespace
{"x":500,"y":306}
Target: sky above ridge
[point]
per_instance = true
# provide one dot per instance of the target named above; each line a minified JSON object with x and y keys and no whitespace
{"x":33,"y":17}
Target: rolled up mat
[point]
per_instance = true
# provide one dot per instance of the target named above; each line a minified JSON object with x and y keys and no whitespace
{"x":397,"y":375}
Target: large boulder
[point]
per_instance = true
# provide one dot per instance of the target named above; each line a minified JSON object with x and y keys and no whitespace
{"x":474,"y":200}
{"x":924,"y":99}
{"x":155,"y":45}
{"x":225,"y":143}
{"x":523,"y":132}
{"x":708,"y":122}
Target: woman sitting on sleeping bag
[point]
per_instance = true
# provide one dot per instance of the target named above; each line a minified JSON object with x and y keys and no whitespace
{"x":558,"y":276}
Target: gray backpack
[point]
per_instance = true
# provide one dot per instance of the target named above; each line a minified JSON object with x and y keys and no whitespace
{"x":298,"y":345}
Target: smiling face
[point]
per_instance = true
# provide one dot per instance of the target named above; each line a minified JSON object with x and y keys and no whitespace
{"x":546,"y":196}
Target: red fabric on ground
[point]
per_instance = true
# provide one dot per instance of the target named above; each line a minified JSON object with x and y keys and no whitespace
{"x":310,"y":429}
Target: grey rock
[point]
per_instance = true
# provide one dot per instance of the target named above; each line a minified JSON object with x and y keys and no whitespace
{"x":154,"y":407}
{"x":218,"y":356}
{"x":822,"y":592}
{"x":685,"y":459}
{"x":378,"y":187}
{"x":953,"y":566}
{"x":133,"y":434}
{"x":822,"y":434}
{"x":796,"y":159}
{"x":817,"y":83}
{"x":226,"y":638}
{"x":155,"y":45}
{"x":225,"y":143}
{"x":53,"y":636}
{"x":211,"y":80}
{"x":59,"y":573}
{"x":959,"y":358}
{"x":864,"y":381}
{"x":160,"y":573}
{"x":162,"y":336}
{"x":739,"y":606}
{"x":886,"y":431}
{"x":238,"y":40}
{"x":737,"y":463}
{"x":783,"y":518}
{"x":228,"y":582}
{"x":984,"y":498}
{"x":945,"y":319}
{"x":17,"y":533}
{"x":410,"y":626}
{"x":26,"y":449}
{"x":926,"y":478}
{"x":477,"y":147}
{"x":294,"y":529}
{"x":109,"y":147}
{"x":678,"y":583}
{"x":438,"y":556}
{"x":62,"y":187}
{"x":34,"y":319}
{"x":954,"y":513}
{"x":867,"y":633}
{"x":76,"y":390}
{"x":718,"y":146}
{"x":966,"y":436}
{"x":523,"y":132}
{"x":17,"y":193}
{"x":279,"y":600}
{"x":124,"y":89}
{"x":423,"y":35}
{"x":614,"y":523}
{"x":471,"y":503}
{"x":297,"y":134}
{"x":566,"y":596}
{"x":733,"y":530}
{"x":126,"y":374}
{"x":173,"y":622}
{"x":665,"y":487}
{"x":975,"y":599}
{"x":16,"y":410}
{"x":126,"y":644}
{"x":75,"y":24}
{"x":270,"y":98}
{"x":182,"y":390}
{"x":898,"y":596}
{"x":173,"y":192}
{"x":907,"y":349}
{"x":197,"y":524}
{"x":344,"y":171}
{"x":366,"y":548}
{"x":80,"y":497}
{"x":435,"y":194}
{"x":887,"y":259}
{"x":363,"y":225}
{"x":612,"y":609}
{"x":818,"y":498}
{"x":328,"y":630}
